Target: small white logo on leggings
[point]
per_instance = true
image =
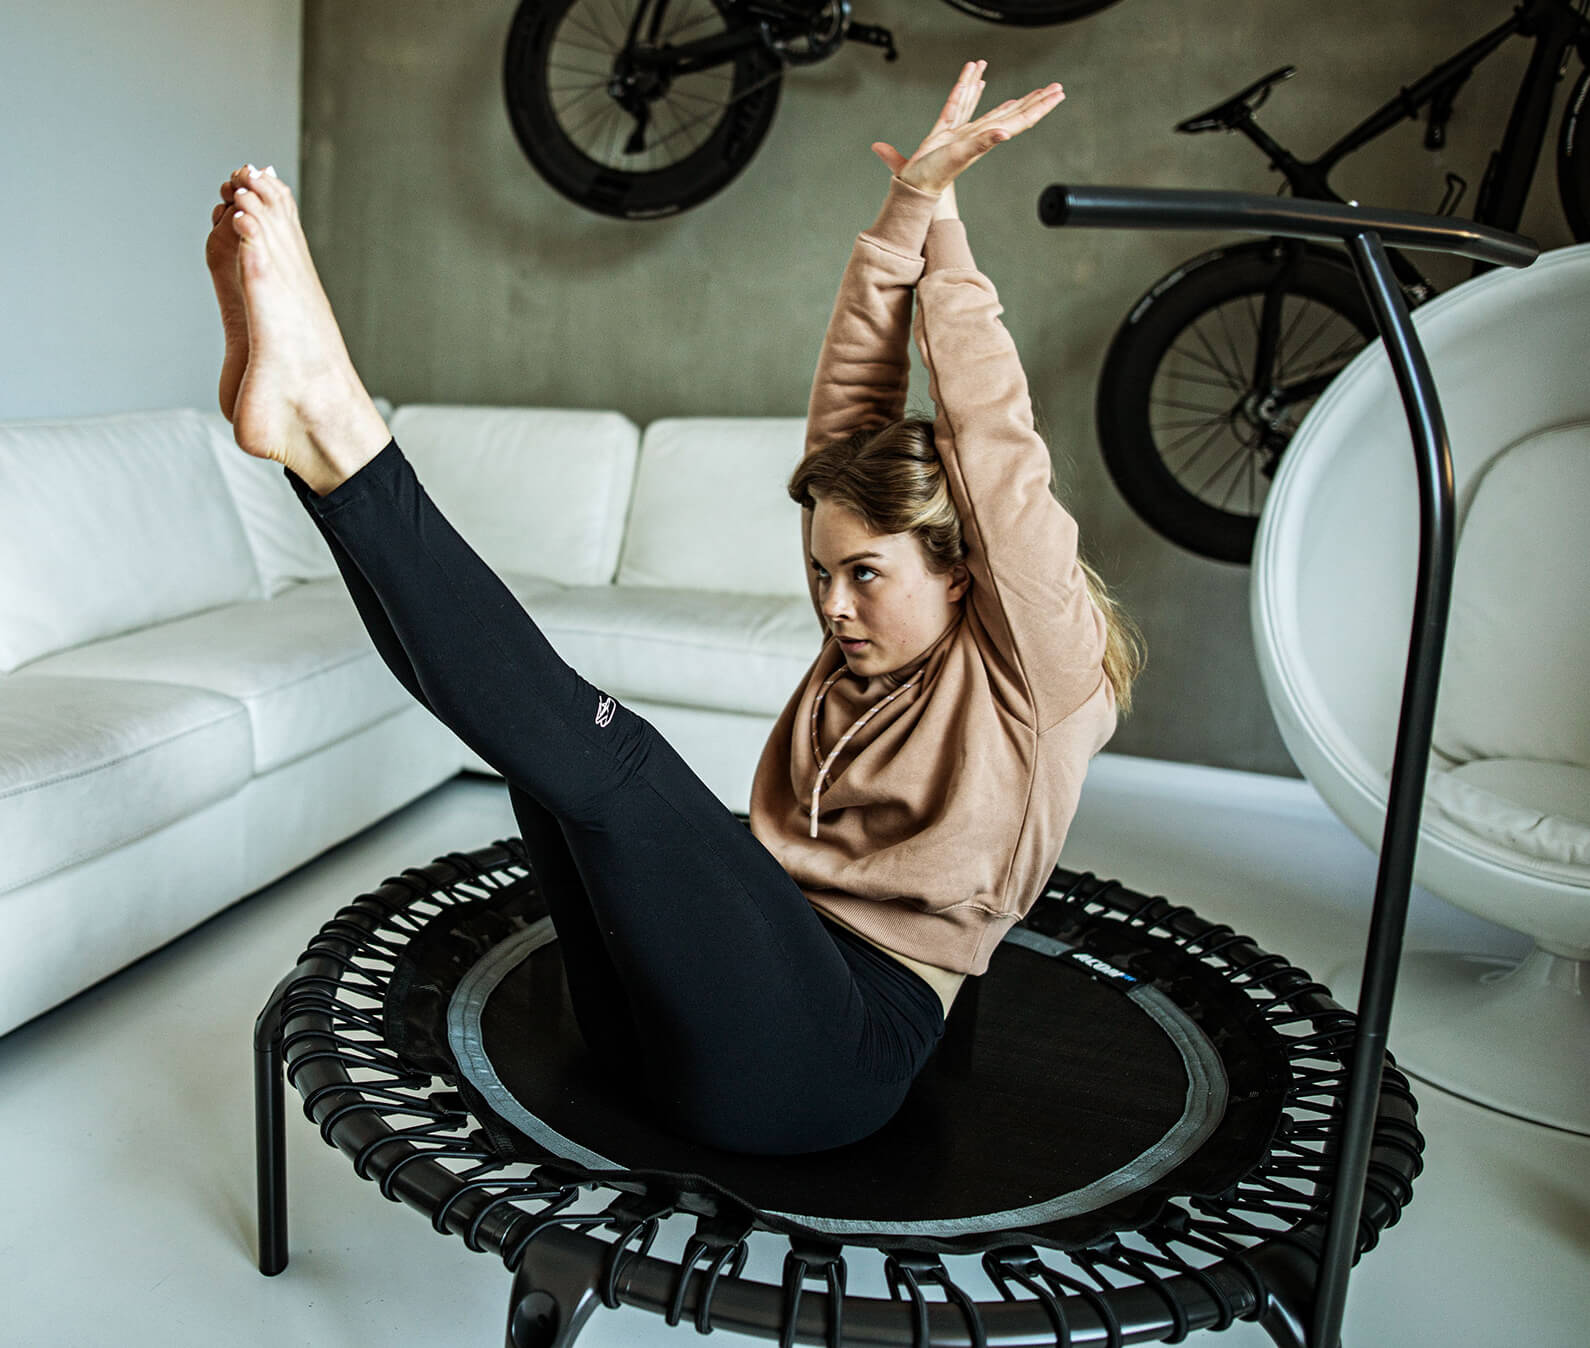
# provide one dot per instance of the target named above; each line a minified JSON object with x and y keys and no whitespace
{"x":604,"y":710}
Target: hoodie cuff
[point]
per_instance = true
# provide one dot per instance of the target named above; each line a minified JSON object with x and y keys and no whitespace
{"x":902,"y":224}
{"x":946,"y":247}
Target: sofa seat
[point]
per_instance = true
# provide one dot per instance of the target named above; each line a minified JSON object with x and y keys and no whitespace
{"x":689,"y":648}
{"x":300,"y":664}
{"x":88,"y":765}
{"x":190,"y":706}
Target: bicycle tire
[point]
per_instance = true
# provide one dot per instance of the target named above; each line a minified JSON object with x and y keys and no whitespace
{"x":572,"y":129}
{"x":1573,"y":159}
{"x":1030,"y":13}
{"x":1195,"y":332}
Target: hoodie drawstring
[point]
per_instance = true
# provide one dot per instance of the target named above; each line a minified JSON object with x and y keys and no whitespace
{"x":855,"y":726}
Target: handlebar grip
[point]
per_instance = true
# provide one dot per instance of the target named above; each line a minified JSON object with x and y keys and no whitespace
{"x":1327,"y":221}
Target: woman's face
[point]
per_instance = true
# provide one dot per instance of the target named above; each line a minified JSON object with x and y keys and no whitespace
{"x":877,"y":593}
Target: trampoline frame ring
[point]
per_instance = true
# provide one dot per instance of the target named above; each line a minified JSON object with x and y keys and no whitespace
{"x":322,"y":1023}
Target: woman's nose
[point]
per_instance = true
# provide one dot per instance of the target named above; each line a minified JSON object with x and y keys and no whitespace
{"x":836,"y":603}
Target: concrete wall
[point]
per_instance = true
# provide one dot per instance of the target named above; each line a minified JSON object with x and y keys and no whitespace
{"x":460,"y":276}
{"x":120,"y":122}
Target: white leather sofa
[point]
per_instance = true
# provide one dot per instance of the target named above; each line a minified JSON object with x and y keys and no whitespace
{"x":190,"y":708}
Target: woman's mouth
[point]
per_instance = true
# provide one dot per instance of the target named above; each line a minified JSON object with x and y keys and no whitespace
{"x":850,"y":645}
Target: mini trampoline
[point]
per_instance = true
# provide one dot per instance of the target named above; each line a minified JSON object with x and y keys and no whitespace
{"x":1187,"y":1130}
{"x":1146,"y":1072}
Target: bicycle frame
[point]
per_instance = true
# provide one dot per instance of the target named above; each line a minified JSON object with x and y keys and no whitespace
{"x":765,"y":22}
{"x":1555,"y":26}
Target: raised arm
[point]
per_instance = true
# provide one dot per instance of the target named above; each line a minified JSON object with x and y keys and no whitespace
{"x":865,"y":363}
{"x":1028,"y":590}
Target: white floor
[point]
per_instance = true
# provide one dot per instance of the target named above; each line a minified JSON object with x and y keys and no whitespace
{"x":127,"y":1126}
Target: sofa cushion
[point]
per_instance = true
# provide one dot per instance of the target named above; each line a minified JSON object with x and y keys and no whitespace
{"x":536,"y":491}
{"x":89,"y":764}
{"x":711,"y":511}
{"x":1539,"y":809}
{"x":742,"y":653}
{"x":1513,"y":686}
{"x":286,"y":545}
{"x":112,"y":523}
{"x":301,"y":664}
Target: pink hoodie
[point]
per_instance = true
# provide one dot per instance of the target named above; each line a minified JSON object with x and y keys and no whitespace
{"x":954,"y":782}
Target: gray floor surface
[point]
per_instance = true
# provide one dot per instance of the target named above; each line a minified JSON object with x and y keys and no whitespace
{"x":127,"y":1120}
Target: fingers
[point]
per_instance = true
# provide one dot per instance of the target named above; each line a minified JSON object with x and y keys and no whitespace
{"x":963,"y":97}
{"x":956,"y":143}
{"x":1040,"y":103}
{"x":1015,"y":115}
{"x":971,"y":90}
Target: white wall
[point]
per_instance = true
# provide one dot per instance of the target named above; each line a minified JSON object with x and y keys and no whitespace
{"x":118,"y":121}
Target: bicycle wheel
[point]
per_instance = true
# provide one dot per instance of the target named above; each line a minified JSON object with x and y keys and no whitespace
{"x":623,"y":139}
{"x":1030,"y":13}
{"x":1573,"y":160}
{"x":1191,"y":428}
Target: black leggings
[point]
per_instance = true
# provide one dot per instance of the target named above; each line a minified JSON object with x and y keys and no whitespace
{"x":697,"y":968}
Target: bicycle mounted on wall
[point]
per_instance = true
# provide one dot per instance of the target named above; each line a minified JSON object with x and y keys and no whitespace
{"x":643,"y":108}
{"x":1208,"y":377}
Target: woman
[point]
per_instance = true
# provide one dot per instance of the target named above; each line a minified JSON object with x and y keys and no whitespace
{"x":753,"y":1015}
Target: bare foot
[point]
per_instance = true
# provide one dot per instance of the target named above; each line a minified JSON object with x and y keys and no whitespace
{"x":220,"y":255}
{"x":299,"y":400}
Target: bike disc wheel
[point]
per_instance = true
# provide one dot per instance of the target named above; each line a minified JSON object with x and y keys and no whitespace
{"x":703,"y":128}
{"x":1188,"y":438}
{"x":1030,"y":13}
{"x":1573,"y":159}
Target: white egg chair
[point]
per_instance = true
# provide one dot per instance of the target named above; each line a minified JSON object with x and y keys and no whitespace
{"x":1505,"y":831}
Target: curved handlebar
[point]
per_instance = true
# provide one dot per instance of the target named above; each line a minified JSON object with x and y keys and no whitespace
{"x":1330,"y":221}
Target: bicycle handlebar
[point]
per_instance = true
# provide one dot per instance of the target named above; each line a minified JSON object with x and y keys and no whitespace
{"x":1328,"y":221}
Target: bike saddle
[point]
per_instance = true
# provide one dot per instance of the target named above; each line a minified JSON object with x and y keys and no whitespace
{"x":1239,"y":107}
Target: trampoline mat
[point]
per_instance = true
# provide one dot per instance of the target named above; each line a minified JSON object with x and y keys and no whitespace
{"x":1081,"y":1099}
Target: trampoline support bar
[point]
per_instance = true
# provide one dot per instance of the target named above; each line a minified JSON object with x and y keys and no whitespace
{"x":1365,"y":233}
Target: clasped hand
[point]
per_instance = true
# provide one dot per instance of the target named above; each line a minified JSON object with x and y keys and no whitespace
{"x":956,"y":142}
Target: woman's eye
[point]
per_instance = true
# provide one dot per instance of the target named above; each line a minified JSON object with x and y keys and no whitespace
{"x":865,"y":573}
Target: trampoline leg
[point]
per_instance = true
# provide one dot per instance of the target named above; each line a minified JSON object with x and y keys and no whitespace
{"x":552,"y":1298}
{"x":270,"y":1135}
{"x":1290,"y":1276}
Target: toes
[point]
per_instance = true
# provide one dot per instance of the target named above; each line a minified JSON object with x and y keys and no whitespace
{"x":247,"y":227}
{"x":218,"y":212}
{"x":252,"y":203}
{"x":264,"y":184}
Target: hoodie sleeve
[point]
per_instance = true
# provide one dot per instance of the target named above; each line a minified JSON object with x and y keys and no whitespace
{"x":865,"y":364}
{"x":1044,"y":633}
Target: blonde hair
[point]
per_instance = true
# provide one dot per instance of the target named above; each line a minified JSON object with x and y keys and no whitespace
{"x":892,"y":477}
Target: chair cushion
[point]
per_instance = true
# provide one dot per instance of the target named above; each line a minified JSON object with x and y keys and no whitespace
{"x":1518,"y":644}
{"x":112,"y":523}
{"x":87,"y":765}
{"x":1540,"y":809}
{"x":538,"y":491}
{"x":711,"y":511}
{"x":301,"y":664}
{"x":744,"y":653}
{"x":286,"y":545}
